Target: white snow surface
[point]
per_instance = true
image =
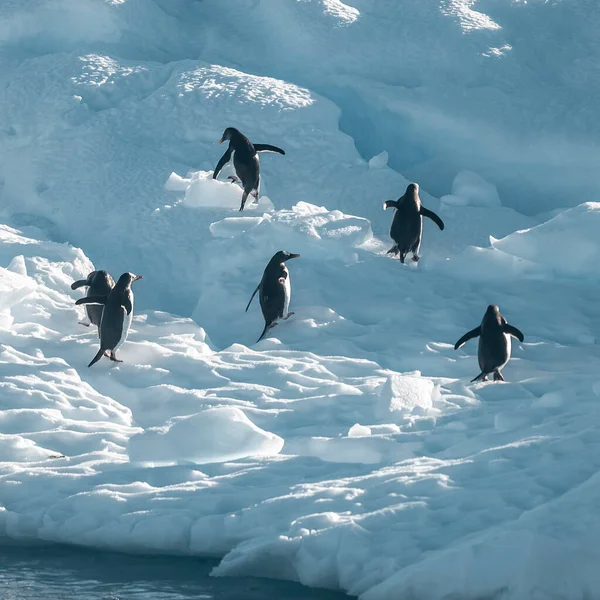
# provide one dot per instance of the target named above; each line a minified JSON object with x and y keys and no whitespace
{"x":347,"y":449}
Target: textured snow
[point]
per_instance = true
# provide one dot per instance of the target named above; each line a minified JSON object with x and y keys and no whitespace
{"x":347,"y":449}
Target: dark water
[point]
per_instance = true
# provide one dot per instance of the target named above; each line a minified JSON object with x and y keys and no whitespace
{"x":60,"y":573}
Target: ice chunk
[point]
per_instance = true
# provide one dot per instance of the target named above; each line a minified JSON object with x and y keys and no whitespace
{"x":214,"y":435}
{"x":470,"y":189}
{"x":404,"y":394}
{"x":379,"y":161}
{"x":359,"y":431}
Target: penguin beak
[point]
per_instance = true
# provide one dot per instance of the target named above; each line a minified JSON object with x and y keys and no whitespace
{"x":294,"y":256}
{"x":138,"y":277}
{"x":221,"y":141}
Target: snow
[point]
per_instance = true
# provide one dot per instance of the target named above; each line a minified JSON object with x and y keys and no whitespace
{"x":347,"y":449}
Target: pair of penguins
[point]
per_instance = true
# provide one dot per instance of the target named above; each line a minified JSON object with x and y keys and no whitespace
{"x":109,"y":306}
{"x":406,"y":231}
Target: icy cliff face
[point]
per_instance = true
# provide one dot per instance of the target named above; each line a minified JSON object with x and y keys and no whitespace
{"x":346,"y":450}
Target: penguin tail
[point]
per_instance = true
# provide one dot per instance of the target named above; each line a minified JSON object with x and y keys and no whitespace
{"x":97,"y":357}
{"x":481,"y":377}
{"x":267,"y":327}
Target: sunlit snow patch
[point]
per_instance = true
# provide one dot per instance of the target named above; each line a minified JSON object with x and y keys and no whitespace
{"x":470,"y":189}
{"x":214,"y":435}
{"x":202,"y":191}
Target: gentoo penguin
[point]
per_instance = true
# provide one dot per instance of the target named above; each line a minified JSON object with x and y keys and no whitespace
{"x":275,"y":291}
{"x":494,"y":343}
{"x":407,"y":225}
{"x":245,"y":161}
{"x":116,"y":316}
{"x":99,"y":284}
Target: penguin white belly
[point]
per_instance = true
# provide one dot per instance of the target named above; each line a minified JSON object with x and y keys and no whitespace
{"x":127,"y":318}
{"x":508,"y":351}
{"x":287,"y":290}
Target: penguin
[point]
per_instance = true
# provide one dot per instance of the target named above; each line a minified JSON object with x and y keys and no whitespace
{"x":407,"y":225}
{"x":275,"y":291}
{"x":245,"y":161}
{"x":116,"y":316}
{"x":99,"y":284}
{"x":494,"y":343}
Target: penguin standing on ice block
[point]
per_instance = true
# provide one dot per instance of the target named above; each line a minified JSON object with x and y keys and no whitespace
{"x":407,"y":225}
{"x":99,"y":284}
{"x":245,"y":161}
{"x":275,"y":291}
{"x":116,"y":316}
{"x":494,"y":343}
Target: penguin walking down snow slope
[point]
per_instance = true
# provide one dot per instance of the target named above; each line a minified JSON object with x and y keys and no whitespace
{"x":407,"y":225}
{"x":245,"y":161}
{"x":275,"y":291}
{"x":116,"y":316}
{"x":99,"y":284}
{"x":494,"y":343}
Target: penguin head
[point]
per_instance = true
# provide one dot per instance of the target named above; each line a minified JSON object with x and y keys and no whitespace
{"x":493,"y":309}
{"x":283,"y":255}
{"x":228,"y":134}
{"x":411,"y":196}
{"x":97,"y":278}
{"x":127,"y":279}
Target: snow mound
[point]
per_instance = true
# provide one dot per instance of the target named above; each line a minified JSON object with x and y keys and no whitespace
{"x":401,"y":394}
{"x":470,"y":189}
{"x":566,"y":245}
{"x":215,"y":435}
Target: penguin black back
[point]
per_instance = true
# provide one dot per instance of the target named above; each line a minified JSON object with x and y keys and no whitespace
{"x":245,"y":161}
{"x":407,"y":224}
{"x":99,"y":283}
{"x":275,"y":291}
{"x":494,"y":347}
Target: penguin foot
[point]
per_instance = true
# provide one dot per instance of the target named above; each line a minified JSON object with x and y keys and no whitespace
{"x":288,"y":316}
{"x":234,"y":179}
{"x":402,"y":257}
{"x":106,"y":354}
{"x":498,"y":376}
{"x":393,"y":250}
{"x":416,"y":257}
{"x":255,"y":194}
{"x":114,"y":358}
{"x":85,"y":323}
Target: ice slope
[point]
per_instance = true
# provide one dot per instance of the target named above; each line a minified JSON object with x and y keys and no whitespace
{"x":347,"y":450}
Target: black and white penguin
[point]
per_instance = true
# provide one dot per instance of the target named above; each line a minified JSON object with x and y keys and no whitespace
{"x":407,"y":225}
{"x":116,"y":316}
{"x":99,"y":284}
{"x":275,"y":291}
{"x":245,"y":161}
{"x":494,"y":343}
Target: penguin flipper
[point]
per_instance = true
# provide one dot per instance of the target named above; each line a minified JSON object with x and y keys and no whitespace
{"x":97,"y":357}
{"x":252,"y":298}
{"x":77,"y":284}
{"x":92,"y":300}
{"x":431,"y":215}
{"x":513,"y":331}
{"x":390,"y":204}
{"x":268,"y":148}
{"x":126,"y":304}
{"x":222,"y":162}
{"x":468,"y":336}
